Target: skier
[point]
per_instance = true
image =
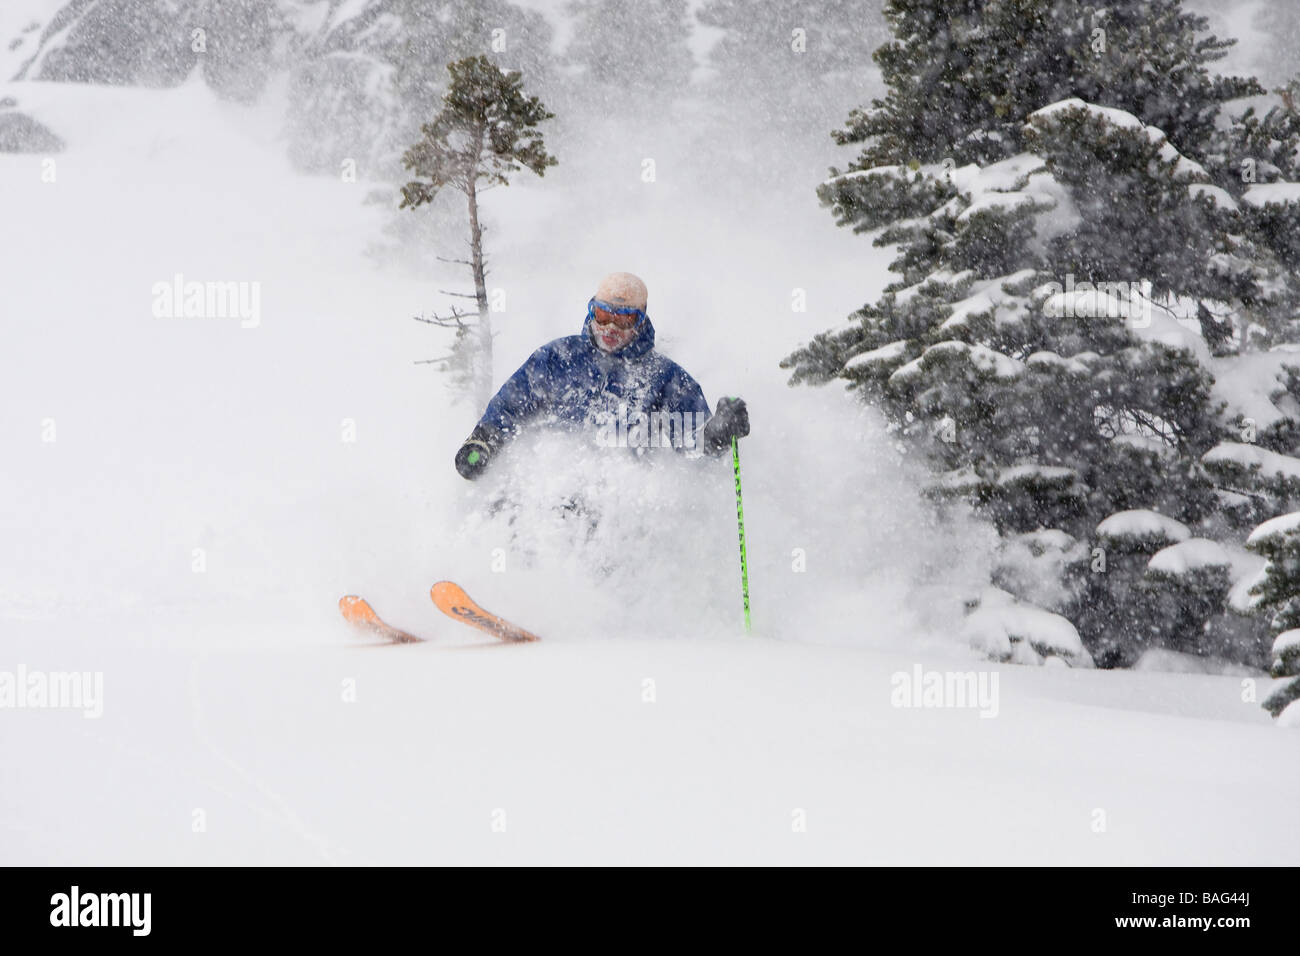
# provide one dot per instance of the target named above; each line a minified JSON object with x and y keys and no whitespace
{"x":610,"y":379}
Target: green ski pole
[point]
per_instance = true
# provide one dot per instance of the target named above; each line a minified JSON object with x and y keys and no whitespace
{"x":740,"y":522}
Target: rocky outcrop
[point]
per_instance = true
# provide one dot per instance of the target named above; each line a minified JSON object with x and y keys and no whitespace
{"x":20,"y":133}
{"x":362,"y":75}
{"x":159,"y":43}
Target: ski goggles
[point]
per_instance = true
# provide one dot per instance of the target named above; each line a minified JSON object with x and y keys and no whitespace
{"x":627,"y":317}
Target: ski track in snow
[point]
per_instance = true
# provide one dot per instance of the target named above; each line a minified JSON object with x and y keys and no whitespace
{"x":280,"y":812}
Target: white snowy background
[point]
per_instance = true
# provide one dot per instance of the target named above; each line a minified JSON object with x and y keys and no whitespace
{"x":224,"y":690}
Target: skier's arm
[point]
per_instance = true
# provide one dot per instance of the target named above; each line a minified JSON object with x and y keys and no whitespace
{"x":518,"y":400}
{"x":522,"y":395}
{"x":683,"y":394}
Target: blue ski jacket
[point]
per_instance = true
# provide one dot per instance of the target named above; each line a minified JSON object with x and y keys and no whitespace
{"x":570,"y":382}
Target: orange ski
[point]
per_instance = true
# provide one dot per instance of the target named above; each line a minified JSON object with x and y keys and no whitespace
{"x":453,"y":601}
{"x":357,"y":612}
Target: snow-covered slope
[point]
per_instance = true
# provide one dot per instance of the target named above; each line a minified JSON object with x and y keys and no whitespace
{"x":189,"y":498}
{"x":745,"y":740}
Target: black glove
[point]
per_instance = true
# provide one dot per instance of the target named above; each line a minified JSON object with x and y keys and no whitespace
{"x":730,"y":420}
{"x":476,"y":451}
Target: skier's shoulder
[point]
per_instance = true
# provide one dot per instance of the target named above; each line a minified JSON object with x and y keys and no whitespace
{"x":673,"y":380}
{"x":564,"y":349}
{"x":669,"y":370}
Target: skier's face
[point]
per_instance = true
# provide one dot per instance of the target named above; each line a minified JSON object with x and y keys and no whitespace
{"x":612,"y":331}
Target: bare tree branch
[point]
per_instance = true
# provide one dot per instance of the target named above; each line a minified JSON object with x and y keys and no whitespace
{"x":452,"y":321}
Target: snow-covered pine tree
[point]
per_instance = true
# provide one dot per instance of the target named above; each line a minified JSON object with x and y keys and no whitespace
{"x":629,"y":56}
{"x":1055,"y":179}
{"x":1254,"y":162}
{"x":1277,"y":595}
{"x":486,"y":131}
{"x":623,"y":62}
{"x":776,"y":75}
{"x":782,"y":61}
{"x":1186,"y":587}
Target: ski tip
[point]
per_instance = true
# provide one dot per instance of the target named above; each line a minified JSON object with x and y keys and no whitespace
{"x":356,"y":609}
{"x":452,"y":600}
{"x":358,"y":612}
{"x":447,"y":588}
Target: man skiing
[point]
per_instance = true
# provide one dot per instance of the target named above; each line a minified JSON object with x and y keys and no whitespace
{"x":608,"y":378}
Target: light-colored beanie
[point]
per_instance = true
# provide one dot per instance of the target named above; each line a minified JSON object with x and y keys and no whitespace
{"x":622,"y":289}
